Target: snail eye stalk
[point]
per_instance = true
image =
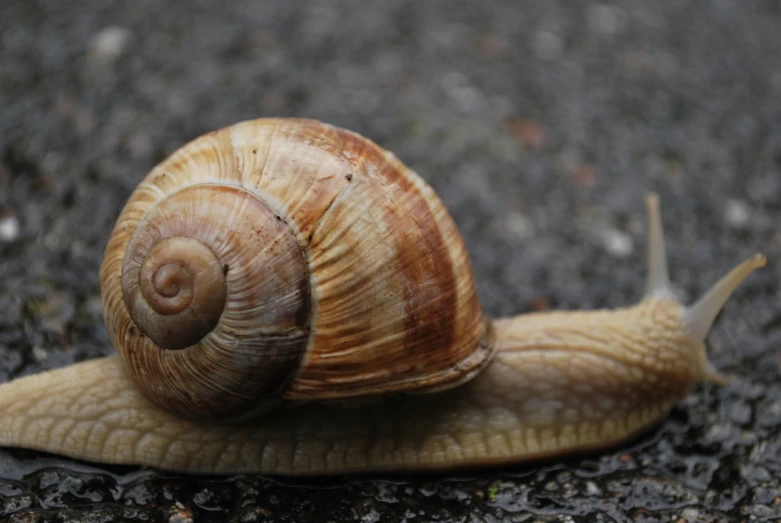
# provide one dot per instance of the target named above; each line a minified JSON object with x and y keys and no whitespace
{"x":700,"y":316}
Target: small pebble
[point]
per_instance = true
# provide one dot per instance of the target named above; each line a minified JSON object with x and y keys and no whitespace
{"x":691,"y":514}
{"x":606,"y":20}
{"x":518,"y":225}
{"x":9,"y":228}
{"x":592,"y":489}
{"x":737,"y":213}
{"x":720,"y":433}
{"x":40,"y":354}
{"x":618,"y":243}
{"x":108,"y":44}
{"x":180,"y":514}
{"x":547,"y":45}
{"x":206,"y":499}
{"x":740,"y":413}
{"x":529,"y":132}
{"x":468,"y":99}
{"x":775,"y":79}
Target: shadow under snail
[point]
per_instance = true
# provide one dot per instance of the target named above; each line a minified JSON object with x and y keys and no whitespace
{"x":286,"y":297}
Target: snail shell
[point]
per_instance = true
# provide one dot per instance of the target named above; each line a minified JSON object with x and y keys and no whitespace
{"x":288,"y":259}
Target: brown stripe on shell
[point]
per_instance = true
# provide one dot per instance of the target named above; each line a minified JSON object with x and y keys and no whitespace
{"x":440,"y":298}
{"x":391,"y":315}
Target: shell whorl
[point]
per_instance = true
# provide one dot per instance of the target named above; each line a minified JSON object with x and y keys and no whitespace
{"x":217,"y":287}
{"x":176,"y":293}
{"x":288,"y":259}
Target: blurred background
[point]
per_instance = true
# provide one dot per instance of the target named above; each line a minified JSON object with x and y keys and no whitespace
{"x":542,"y":125}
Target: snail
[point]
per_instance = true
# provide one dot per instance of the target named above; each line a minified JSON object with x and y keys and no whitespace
{"x":286,"y":297}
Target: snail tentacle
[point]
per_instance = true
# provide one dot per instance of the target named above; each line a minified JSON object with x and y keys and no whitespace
{"x":700,"y":316}
{"x":658,"y":278}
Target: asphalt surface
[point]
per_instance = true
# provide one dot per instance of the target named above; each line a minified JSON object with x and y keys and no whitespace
{"x":541,"y":125}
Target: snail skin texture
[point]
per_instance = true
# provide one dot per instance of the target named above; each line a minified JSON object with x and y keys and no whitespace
{"x":287,"y":298}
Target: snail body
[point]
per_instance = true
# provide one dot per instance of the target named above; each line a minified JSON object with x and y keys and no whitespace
{"x":269,"y":270}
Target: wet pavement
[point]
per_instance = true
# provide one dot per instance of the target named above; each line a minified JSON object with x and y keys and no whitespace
{"x":542,"y":127}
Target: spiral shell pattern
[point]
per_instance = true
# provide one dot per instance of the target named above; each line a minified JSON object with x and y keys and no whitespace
{"x":288,"y":259}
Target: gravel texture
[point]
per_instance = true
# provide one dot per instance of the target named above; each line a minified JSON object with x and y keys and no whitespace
{"x":541,"y":124}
